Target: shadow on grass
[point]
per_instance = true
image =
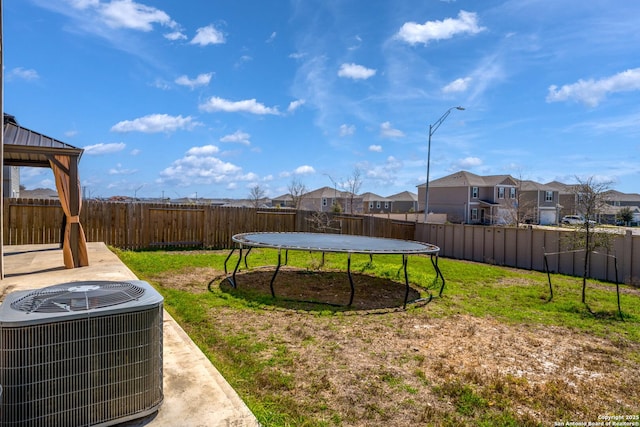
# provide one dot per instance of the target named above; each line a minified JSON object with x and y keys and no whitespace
{"x":319,"y":291}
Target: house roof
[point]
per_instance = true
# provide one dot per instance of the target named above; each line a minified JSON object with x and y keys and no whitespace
{"x":561,"y":187}
{"x":405,"y":196}
{"x":528,"y":185}
{"x":468,"y":179}
{"x":367,"y":197}
{"x":327,"y":192}
{"x":613,"y":195}
{"x":24,"y":147}
{"x":283,"y":197}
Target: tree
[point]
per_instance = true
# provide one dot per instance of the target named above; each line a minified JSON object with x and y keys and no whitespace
{"x":256,"y":195}
{"x":352,"y":186}
{"x":625,"y":215}
{"x":590,"y":200}
{"x":297,"y":191}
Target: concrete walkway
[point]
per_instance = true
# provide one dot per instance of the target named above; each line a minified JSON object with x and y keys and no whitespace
{"x":195,"y":394}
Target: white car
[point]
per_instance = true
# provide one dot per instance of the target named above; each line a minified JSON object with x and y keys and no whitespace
{"x":575,"y":220}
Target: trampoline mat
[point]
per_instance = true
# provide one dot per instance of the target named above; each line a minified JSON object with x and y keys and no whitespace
{"x":334,"y":243}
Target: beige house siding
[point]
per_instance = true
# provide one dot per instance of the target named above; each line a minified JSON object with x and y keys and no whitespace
{"x":447,"y":200}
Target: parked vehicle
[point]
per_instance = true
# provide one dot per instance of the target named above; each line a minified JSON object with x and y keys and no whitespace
{"x":575,"y":220}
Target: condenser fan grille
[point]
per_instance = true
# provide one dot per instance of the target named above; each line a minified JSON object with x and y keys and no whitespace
{"x":81,"y":296}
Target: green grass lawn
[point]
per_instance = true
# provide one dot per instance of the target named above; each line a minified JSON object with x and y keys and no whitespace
{"x":263,"y":349}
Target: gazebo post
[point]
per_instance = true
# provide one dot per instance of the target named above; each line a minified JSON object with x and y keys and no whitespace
{"x":74,"y":208}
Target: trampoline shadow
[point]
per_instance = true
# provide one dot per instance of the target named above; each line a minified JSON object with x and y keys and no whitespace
{"x":322,"y":290}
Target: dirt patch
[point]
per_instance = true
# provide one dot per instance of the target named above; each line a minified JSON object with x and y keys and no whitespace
{"x":403,"y":368}
{"x":318,"y":288}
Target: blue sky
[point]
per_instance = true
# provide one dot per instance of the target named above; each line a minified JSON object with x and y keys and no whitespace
{"x":204,"y":98}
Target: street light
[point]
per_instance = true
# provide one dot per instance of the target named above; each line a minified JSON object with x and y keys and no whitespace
{"x":432,"y":130}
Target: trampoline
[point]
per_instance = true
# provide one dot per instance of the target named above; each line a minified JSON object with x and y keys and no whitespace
{"x":332,"y":243}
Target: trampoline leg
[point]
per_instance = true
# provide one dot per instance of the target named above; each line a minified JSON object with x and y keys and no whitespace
{"x":350,"y":279}
{"x":245,"y":257}
{"x":275,"y":273}
{"x":406,"y":281}
{"x":235,"y":270}
{"x":228,"y":256}
{"x":438,"y":273}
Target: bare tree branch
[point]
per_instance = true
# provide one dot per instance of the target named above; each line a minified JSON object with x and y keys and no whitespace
{"x":256,"y":195}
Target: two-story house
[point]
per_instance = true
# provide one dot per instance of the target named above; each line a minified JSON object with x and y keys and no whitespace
{"x":472,"y":199}
{"x":404,"y":202}
{"x":618,"y":201}
{"x":537,"y":203}
{"x":373,"y":203}
{"x":327,"y":199}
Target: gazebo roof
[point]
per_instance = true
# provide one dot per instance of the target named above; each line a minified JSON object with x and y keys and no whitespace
{"x":24,"y":147}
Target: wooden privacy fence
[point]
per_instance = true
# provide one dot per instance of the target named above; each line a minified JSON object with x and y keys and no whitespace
{"x":525,"y":247}
{"x":148,"y":225}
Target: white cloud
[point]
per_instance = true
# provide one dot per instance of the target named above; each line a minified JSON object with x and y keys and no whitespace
{"x":155,"y":123}
{"x":131,"y":15}
{"x":468,"y":162}
{"x":458,"y":85}
{"x":243,"y":60}
{"x":248,"y":106}
{"x":161,"y":84}
{"x":119,"y":170}
{"x":101,"y":148}
{"x":22,"y":74}
{"x":237,"y":137}
{"x":386,"y":131}
{"x":591,"y":92}
{"x":205,"y":150}
{"x":199,"y":166}
{"x":375,"y":148}
{"x":208,"y":35}
{"x":84,"y":4}
{"x":175,"y":35}
{"x":304,"y":170}
{"x":467,"y":22}
{"x":347,"y":130}
{"x":272,"y":37}
{"x":386,"y":172}
{"x":135,"y":152}
{"x":355,"y":71}
{"x":200,"y":80}
{"x":294,"y":105}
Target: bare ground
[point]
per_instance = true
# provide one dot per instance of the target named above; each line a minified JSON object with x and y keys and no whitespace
{"x":376,"y":364}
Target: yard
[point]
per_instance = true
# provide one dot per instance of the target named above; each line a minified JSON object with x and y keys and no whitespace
{"x":492,"y":351}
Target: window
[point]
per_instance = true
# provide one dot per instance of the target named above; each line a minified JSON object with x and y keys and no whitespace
{"x":512,"y":193}
{"x":386,"y":205}
{"x":548,"y":196}
{"x":500,"y":192}
{"x":378,"y":205}
{"x":474,"y":214}
{"x":474,"y":192}
{"x":370,"y":205}
{"x":324,"y":201}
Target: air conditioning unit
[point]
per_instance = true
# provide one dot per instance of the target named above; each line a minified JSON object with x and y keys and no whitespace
{"x":81,"y":354}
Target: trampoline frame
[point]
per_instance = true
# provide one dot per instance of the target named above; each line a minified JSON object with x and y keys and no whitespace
{"x":321,"y":242}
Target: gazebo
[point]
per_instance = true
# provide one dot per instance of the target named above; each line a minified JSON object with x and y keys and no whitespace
{"x":24,"y":147}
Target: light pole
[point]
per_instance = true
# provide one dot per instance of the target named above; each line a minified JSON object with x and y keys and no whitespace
{"x":432,"y":130}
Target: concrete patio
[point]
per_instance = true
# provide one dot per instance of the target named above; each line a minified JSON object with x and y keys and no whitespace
{"x":195,"y":394}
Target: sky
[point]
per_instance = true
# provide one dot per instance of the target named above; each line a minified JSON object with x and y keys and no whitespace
{"x":209,"y":98}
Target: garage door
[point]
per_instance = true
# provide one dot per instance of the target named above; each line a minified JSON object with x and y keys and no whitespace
{"x":547,"y":217}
